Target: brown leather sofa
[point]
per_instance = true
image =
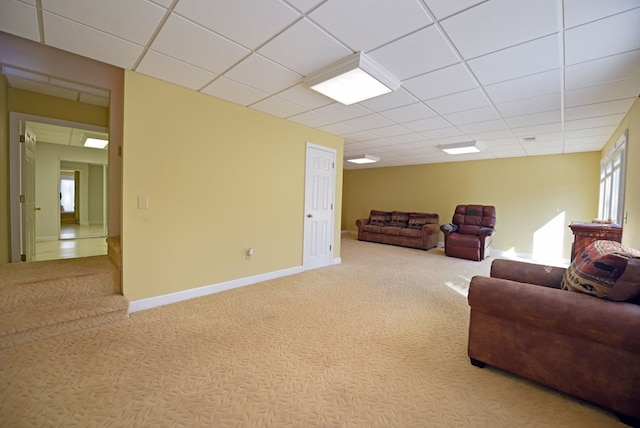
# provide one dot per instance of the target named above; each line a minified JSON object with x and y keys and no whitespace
{"x":586,"y":346}
{"x":469,"y":235}
{"x":407,"y":229}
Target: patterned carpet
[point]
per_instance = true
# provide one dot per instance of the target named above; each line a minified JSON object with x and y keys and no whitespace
{"x":377,"y":341}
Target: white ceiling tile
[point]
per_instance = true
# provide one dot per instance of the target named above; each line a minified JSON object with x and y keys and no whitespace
{"x":339,"y":111}
{"x":408,"y":113}
{"x":164,"y":3}
{"x":534,"y":119}
{"x":388,"y":101}
{"x":196,"y":45}
{"x":278,"y":107}
{"x":585,"y":43}
{"x":136,"y":25}
{"x":369,"y":122}
{"x":508,"y":152}
{"x":262,"y":74}
{"x":430,"y":51}
{"x":248,"y":22}
{"x":600,"y":93}
{"x":443,"y":8}
{"x":172,"y":70}
{"x":304,"y":5}
{"x":608,"y":120}
{"x":427,"y":124}
{"x":578,"y":12}
{"x":498,"y":24}
{"x":487,"y":126}
{"x":364,"y":25}
{"x":530,"y":105}
{"x":491,"y":135}
{"x":437,"y":134}
{"x":501,"y":142}
{"x":442,"y":82}
{"x":338,"y":128}
{"x":390,"y":131}
{"x":305,"y":97}
{"x":19,"y":19}
{"x":616,"y":67}
{"x":359,"y":136}
{"x":517,"y":61}
{"x":235,"y":92}
{"x":466,"y":100}
{"x":547,"y":82}
{"x":312,"y":119}
{"x":599,"y":109}
{"x":556,"y":149}
{"x":404,"y":138}
{"x":482,"y":114}
{"x":304,"y":48}
{"x":605,"y":131}
{"x":82,"y":40}
{"x":536,"y":130}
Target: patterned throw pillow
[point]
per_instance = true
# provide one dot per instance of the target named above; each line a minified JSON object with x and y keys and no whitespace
{"x":596,"y":269}
{"x":399,"y":219}
{"x":417,"y":220}
{"x":379,"y":218}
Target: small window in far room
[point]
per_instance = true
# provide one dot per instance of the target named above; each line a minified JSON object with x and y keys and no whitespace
{"x":612,"y":171}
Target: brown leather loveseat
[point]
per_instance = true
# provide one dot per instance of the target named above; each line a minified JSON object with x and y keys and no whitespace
{"x":522,"y":321}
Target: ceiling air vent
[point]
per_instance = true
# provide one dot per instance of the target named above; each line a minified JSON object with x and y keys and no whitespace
{"x":529,"y":139}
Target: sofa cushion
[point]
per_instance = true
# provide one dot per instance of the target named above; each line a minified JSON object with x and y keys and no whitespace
{"x":379,"y":218}
{"x":462,"y":240}
{"x":411,"y":233}
{"x":390,"y":230}
{"x":399,"y":219}
{"x":597,"y":268}
{"x":370,"y":228}
{"x":417,"y":220}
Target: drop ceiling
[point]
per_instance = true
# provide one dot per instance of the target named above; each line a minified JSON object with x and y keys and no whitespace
{"x":525,"y":78}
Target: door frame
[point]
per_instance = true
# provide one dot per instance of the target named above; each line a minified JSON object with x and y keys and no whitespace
{"x":305,"y":250}
{"x":15,"y":119}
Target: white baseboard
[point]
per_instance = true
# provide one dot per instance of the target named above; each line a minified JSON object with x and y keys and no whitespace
{"x":165,"y":299}
{"x":47,"y":238}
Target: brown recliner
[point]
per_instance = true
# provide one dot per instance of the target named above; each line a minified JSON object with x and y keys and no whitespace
{"x":469,"y":235}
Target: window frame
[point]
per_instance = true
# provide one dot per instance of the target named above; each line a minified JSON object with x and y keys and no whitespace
{"x":612,"y":182}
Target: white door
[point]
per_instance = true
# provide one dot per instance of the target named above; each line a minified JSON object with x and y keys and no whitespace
{"x":319,"y":206}
{"x":28,"y":196}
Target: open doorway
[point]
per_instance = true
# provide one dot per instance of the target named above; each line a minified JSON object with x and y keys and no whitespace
{"x":70,"y":188}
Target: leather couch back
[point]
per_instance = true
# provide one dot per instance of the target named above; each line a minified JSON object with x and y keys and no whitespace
{"x":471,"y":218}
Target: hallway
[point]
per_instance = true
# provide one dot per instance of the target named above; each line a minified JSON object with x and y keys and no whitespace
{"x":75,"y":241}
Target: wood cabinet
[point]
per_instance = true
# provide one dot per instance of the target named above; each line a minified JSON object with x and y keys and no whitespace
{"x":585,"y":233}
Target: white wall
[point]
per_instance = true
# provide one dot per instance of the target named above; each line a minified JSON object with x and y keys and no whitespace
{"x":48,"y":160}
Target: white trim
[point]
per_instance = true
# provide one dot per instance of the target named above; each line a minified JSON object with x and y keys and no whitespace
{"x":336,"y":260}
{"x":166,"y":299}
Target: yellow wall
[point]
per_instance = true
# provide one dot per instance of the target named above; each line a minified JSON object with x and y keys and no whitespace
{"x":528,"y":193}
{"x":630,"y":228}
{"x":5,"y":249}
{"x":219,"y":178}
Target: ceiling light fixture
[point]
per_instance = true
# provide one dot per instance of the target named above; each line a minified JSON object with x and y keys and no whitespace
{"x":95,"y":143}
{"x":460,"y":148}
{"x":361,"y":159}
{"x":352,"y":79}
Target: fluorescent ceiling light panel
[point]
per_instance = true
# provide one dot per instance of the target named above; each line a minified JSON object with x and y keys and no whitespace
{"x":460,"y":148}
{"x":353,"y":79}
{"x":96,"y":143}
{"x":361,"y":159}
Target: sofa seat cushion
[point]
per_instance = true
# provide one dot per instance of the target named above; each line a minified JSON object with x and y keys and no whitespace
{"x":462,"y":240}
{"x":371,"y":228}
{"x":390,"y":230}
{"x":399,"y":219}
{"x":411,"y":233}
{"x":597,"y":268}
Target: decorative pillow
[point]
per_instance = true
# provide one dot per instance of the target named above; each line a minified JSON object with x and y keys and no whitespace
{"x":596,"y":269}
{"x":379,"y":218}
{"x":399,"y":219}
{"x":417,"y":220}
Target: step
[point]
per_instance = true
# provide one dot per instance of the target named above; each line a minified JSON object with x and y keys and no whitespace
{"x":45,"y":283}
{"x":42,"y":322}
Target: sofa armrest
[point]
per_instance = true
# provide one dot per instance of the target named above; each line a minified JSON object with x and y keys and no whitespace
{"x":614,"y":324}
{"x":530,"y":273}
{"x":430,"y":229}
{"x":361,"y":222}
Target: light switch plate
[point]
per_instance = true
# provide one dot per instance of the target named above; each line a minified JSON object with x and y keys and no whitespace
{"x":143,"y":202}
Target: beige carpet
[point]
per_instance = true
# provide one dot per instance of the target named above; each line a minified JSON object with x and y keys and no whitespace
{"x":378,"y":341}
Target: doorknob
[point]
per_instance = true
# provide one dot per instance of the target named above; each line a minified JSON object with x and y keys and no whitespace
{"x":309,"y":215}
{"x":37,"y":208}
